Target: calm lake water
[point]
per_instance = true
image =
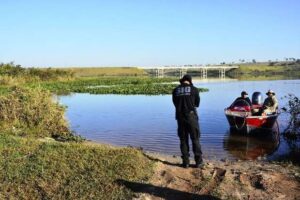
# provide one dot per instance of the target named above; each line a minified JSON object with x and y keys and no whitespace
{"x":149,"y":122}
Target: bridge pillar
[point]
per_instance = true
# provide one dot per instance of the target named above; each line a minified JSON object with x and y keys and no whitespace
{"x":159,"y":72}
{"x":203,"y":72}
{"x":222,"y":72}
{"x":182,"y":72}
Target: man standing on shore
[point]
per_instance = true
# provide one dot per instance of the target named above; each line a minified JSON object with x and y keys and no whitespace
{"x":185,"y":99}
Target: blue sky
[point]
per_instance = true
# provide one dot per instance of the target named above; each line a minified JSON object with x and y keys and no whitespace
{"x":147,"y":32}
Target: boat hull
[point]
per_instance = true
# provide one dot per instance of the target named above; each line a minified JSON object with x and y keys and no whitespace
{"x":247,"y":123}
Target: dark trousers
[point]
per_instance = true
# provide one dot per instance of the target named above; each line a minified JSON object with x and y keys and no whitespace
{"x":188,"y":126}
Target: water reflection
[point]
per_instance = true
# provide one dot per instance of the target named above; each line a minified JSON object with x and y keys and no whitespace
{"x":289,"y":151}
{"x":252,"y":146}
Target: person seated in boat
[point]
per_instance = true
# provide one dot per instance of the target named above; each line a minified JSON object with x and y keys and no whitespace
{"x":270,"y":105}
{"x":244,"y":96}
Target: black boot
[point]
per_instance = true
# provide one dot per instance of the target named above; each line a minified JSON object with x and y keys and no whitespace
{"x":199,"y":162}
{"x":185,"y":163}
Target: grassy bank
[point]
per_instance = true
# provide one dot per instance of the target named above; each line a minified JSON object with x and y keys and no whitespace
{"x":33,"y":165}
{"x":46,"y":169}
{"x":106,"y":71}
{"x":33,"y":112}
{"x":265,"y":77}
{"x":33,"y":169}
{"x":11,"y":74}
{"x":264,"y":71}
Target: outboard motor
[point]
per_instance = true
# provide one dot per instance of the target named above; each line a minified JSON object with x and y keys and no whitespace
{"x":257,"y":98}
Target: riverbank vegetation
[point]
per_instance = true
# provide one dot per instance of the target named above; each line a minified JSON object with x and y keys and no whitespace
{"x":114,"y":85}
{"x":106,"y":71}
{"x":34,"y":113}
{"x":36,"y":169}
{"x":293,"y":110}
{"x":11,"y":74}
{"x":289,"y":69}
{"x":64,"y":81}
{"x":42,"y":159}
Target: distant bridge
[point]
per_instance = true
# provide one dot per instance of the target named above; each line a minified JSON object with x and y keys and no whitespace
{"x":182,"y":69}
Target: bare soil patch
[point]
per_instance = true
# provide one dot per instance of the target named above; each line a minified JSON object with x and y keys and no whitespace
{"x":219,"y":180}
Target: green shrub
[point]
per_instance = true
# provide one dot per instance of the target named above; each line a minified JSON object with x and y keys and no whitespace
{"x":11,"y":69}
{"x":25,"y":111}
{"x":9,"y":72}
{"x":50,"y":74}
{"x":293,"y":109}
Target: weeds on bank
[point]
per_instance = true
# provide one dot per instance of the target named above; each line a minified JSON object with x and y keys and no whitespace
{"x":11,"y":74}
{"x":32,"y":112}
{"x":106,"y":71}
{"x":293,"y":110}
{"x":35,"y":168}
{"x":31,"y":169}
{"x":264,"y":71}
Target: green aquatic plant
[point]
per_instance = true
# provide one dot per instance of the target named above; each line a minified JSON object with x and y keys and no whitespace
{"x":114,"y":85}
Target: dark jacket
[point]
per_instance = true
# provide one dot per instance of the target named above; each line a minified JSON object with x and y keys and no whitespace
{"x":185,"y":98}
{"x":246,"y":99}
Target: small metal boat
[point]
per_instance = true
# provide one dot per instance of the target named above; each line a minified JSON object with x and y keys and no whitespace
{"x":243,"y":118}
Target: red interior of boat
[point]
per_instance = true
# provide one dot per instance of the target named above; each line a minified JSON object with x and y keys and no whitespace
{"x":243,"y":108}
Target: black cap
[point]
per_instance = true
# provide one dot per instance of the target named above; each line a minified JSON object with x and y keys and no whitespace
{"x":186,"y":78}
{"x":244,"y":93}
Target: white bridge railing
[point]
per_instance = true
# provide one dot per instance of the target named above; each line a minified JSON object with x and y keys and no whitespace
{"x":160,"y":71}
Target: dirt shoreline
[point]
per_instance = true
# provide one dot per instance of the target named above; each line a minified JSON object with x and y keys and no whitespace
{"x":219,"y":180}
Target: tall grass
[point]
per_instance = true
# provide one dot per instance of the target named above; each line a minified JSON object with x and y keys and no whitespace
{"x":106,"y":71}
{"x":25,"y":111}
{"x":11,"y":74}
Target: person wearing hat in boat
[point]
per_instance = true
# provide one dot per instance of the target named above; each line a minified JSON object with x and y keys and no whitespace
{"x":244,"y":96}
{"x":185,"y":99}
{"x":271,"y":103}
